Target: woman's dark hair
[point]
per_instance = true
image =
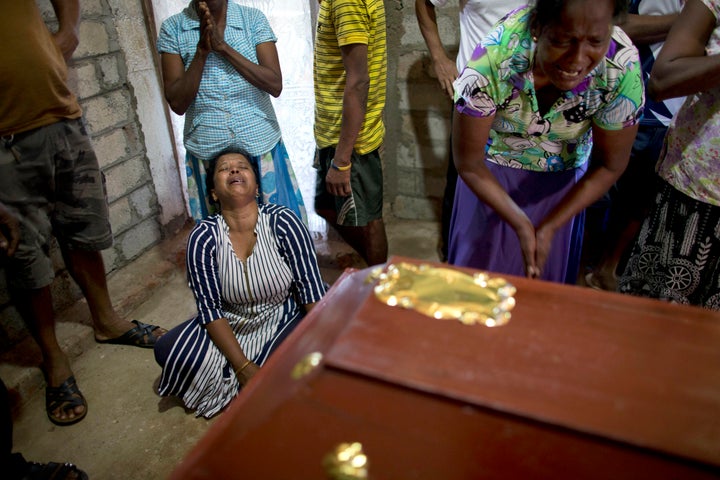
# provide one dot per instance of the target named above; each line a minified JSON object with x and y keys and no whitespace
{"x":210,"y":173}
{"x":546,"y":11}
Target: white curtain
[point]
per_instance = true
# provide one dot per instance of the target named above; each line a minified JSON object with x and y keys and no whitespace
{"x":293,"y":22}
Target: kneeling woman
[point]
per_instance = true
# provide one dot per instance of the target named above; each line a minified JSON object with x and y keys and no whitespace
{"x":254,"y":273}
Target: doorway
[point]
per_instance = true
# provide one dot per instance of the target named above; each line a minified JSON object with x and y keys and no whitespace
{"x":293,"y":23}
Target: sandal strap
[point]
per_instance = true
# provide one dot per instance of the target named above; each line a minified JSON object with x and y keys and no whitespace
{"x":66,"y":395}
{"x":142,"y":330}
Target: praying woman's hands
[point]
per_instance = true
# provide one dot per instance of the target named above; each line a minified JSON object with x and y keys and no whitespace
{"x":211,"y":38}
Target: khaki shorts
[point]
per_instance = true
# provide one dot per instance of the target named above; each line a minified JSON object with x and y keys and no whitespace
{"x":365,"y":204}
{"x":50,"y":178}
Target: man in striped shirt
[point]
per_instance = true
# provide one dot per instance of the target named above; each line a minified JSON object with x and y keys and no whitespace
{"x":350,"y":81}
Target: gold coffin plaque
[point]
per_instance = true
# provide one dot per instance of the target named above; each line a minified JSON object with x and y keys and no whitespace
{"x":445,"y":293}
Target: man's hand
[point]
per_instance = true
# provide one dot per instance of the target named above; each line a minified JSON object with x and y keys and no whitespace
{"x":446,"y":72}
{"x":338,"y":183}
{"x":67,"y":41}
{"x":445,"y":69}
{"x":68,"y":16}
{"x":9,"y":231}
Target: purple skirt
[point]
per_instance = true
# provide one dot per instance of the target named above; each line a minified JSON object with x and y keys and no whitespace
{"x":480,"y":239}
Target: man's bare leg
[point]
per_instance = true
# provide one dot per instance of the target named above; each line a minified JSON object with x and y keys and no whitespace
{"x":35,"y":306}
{"x":88,"y":270}
{"x":376,"y":245}
{"x":370,"y":241}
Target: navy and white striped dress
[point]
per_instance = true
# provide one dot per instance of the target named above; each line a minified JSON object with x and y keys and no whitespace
{"x":260,"y":297}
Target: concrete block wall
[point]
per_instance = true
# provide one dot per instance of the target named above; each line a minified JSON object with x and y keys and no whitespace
{"x":417,"y":114}
{"x":117,"y":81}
{"x":102,"y":78}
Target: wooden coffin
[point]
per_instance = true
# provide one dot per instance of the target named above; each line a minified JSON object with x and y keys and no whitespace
{"x":578,"y":384}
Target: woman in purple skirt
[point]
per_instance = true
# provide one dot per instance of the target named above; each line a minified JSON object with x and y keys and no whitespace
{"x":551,"y":87}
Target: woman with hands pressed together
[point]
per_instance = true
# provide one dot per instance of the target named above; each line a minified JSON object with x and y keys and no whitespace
{"x":254,"y":273}
{"x":553,"y":86}
{"x":220,"y":66}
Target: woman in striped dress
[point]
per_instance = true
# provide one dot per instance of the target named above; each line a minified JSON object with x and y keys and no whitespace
{"x":254,"y":273}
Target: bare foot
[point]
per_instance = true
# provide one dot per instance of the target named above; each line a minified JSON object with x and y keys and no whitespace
{"x":598,"y":281}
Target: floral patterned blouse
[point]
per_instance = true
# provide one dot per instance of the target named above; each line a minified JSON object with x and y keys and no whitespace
{"x":691,"y":160}
{"x":498,"y":80}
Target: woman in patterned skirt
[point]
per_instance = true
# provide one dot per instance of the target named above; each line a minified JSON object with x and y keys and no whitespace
{"x":254,"y":273}
{"x":677,"y":254}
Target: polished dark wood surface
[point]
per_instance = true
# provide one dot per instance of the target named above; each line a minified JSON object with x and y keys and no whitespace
{"x":579,"y":383}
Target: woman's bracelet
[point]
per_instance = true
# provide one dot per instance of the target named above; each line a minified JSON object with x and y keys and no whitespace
{"x":239,"y":370}
{"x":341,"y":169}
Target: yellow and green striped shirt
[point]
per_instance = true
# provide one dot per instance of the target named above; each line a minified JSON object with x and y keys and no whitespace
{"x":340,"y":23}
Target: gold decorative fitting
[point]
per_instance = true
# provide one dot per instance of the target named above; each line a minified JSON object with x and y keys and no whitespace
{"x":444,"y":293}
{"x":306,"y":365}
{"x":346,"y":462}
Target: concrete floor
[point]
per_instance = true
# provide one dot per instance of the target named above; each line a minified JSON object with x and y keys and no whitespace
{"x":130,"y":432}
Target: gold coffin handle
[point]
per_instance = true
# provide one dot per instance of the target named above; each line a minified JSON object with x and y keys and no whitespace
{"x":306,"y":365}
{"x":346,"y":462}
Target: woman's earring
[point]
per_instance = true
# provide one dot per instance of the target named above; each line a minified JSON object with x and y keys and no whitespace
{"x":534,"y":38}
